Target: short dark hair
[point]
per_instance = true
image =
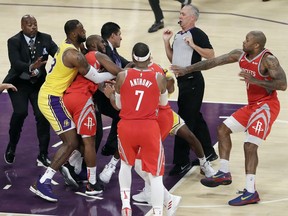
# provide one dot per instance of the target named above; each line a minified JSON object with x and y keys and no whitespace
{"x":108,"y":29}
{"x":70,"y":26}
{"x":140,"y":49}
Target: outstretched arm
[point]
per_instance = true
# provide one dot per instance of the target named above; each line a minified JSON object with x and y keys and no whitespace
{"x":228,"y":58}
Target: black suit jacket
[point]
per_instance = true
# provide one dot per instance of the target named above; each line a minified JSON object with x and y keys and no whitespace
{"x":19,"y":57}
{"x":109,"y":53}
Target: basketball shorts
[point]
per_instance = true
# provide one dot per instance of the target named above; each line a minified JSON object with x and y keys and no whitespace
{"x":82,"y":109}
{"x":256,"y":120}
{"x":54,"y":110}
{"x":134,"y":135}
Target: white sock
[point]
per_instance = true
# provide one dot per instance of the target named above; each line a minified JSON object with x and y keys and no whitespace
{"x":250,"y":183}
{"x":157,"y":193}
{"x":140,"y":172}
{"x":125,"y":180}
{"x":224,"y":165}
{"x":114,"y":161}
{"x":202,"y":161}
{"x":78,"y":165}
{"x":48,"y":174}
{"x":91,"y":175}
{"x":75,"y":155}
{"x":125,"y":197}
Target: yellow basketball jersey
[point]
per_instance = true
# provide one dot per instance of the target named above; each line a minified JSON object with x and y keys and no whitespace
{"x":59,"y":77}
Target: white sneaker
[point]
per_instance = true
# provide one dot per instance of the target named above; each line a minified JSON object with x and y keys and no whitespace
{"x":172,"y":205}
{"x":207,"y":169}
{"x":107,"y":173}
{"x":143,"y":196}
{"x":126,"y":212}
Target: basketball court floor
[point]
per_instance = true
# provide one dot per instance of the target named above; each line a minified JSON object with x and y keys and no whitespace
{"x":226,"y":22}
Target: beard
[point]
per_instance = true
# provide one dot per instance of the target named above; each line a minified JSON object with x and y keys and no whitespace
{"x":81,"y":39}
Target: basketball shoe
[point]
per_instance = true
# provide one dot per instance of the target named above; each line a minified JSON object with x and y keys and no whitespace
{"x":69,"y":175}
{"x":107,"y":173}
{"x":207,"y":170}
{"x":44,"y":190}
{"x":245,"y":198}
{"x":93,"y":189}
{"x":143,"y":196}
{"x":220,"y":178}
{"x":172,"y":205}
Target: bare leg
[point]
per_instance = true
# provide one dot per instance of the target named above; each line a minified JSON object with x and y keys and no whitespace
{"x":89,"y":151}
{"x":185,"y":133}
{"x":224,"y":141}
{"x":251,"y":158}
{"x":70,"y":143}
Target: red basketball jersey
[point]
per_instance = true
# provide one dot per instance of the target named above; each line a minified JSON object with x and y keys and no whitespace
{"x":256,"y":93}
{"x":139,"y":95}
{"x":83,"y":85}
{"x":91,"y":59}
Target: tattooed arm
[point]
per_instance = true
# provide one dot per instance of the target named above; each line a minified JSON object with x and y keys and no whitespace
{"x":228,"y":58}
{"x":269,"y":66}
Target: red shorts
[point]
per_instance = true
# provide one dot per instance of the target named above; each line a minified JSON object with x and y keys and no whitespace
{"x":82,"y":109}
{"x":256,"y":120}
{"x":145,"y":135}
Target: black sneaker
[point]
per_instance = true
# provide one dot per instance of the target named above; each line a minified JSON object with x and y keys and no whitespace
{"x":93,"y":189}
{"x":212,"y":157}
{"x":43,"y":160}
{"x":180,"y":169}
{"x":156,"y":26}
{"x":69,"y":175}
{"x":9,"y":155}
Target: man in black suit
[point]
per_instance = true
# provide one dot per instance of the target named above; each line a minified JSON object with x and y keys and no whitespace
{"x":28,"y":52}
{"x":111,"y":33}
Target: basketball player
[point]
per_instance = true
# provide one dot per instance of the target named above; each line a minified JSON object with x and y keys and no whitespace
{"x":171,"y":123}
{"x":97,"y":58}
{"x":83,"y":113}
{"x":137,"y":96}
{"x":263,"y":75}
{"x":68,"y":62}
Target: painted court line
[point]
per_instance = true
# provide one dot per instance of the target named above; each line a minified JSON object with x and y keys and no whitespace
{"x":94,"y":197}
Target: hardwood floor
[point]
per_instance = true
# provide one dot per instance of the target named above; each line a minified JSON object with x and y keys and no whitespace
{"x":226,"y":22}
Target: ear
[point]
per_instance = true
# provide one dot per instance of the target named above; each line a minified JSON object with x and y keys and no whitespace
{"x":257,"y":45}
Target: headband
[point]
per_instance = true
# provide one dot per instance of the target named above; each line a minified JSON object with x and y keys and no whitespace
{"x":141,"y":59}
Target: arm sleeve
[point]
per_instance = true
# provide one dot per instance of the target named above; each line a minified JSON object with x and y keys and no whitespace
{"x":164,"y":98}
{"x":117,"y":100}
{"x":97,"y":77}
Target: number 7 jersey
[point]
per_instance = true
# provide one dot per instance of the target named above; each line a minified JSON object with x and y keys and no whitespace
{"x":139,"y":95}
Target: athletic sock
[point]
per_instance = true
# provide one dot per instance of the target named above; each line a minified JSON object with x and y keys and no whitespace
{"x":91,"y":175}
{"x":48,"y":174}
{"x":250,"y":183}
{"x":224,"y":165}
